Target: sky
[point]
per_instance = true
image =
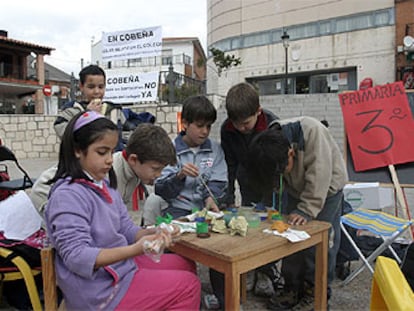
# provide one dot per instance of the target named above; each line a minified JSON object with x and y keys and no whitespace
{"x":70,"y":27}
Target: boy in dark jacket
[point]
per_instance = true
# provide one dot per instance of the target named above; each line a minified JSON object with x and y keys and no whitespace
{"x":245,"y":119}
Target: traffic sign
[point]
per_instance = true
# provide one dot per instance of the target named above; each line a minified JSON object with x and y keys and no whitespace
{"x":47,"y":90}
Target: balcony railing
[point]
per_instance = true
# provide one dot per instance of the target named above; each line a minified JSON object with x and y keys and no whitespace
{"x":154,"y":61}
{"x":183,"y":87}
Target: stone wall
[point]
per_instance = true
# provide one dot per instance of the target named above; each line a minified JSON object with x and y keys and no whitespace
{"x":32,"y":136}
{"x":29,"y":136}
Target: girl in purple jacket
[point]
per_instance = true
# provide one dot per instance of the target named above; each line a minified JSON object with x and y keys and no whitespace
{"x":100,"y":261}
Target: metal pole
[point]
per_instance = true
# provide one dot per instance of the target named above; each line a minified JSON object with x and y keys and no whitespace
{"x":285,"y":40}
{"x":286,"y":70}
{"x":171,"y":78}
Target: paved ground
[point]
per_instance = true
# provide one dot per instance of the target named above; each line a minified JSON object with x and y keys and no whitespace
{"x":354,"y":296}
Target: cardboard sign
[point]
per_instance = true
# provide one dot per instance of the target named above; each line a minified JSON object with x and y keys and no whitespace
{"x":379,"y":126}
{"x":129,"y":44}
{"x":124,"y":86}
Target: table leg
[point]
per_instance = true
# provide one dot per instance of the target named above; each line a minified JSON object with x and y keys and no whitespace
{"x":243,"y":287}
{"x":232,"y":289}
{"x":321,"y":273}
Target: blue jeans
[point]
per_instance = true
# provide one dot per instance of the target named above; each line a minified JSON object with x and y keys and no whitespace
{"x":175,"y":212}
{"x":300,"y":267}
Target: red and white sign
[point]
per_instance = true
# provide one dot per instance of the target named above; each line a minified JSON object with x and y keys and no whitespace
{"x":379,"y":126}
{"x":47,"y":90}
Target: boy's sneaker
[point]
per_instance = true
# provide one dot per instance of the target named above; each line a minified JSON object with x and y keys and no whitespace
{"x":283,"y":300}
{"x":306,"y":303}
{"x":273,"y":272}
{"x":291,"y":300}
{"x":211,"y":302}
{"x":264,"y":285}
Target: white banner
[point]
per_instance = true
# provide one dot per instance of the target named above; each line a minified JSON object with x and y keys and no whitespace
{"x":126,"y":87}
{"x":130,"y":44}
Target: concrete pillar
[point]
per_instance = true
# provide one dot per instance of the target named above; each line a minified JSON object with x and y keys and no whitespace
{"x":40,"y":73}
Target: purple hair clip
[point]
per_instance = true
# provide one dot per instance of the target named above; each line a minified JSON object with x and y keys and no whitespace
{"x":86,"y":118}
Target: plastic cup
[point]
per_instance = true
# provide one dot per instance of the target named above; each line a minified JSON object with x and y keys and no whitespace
{"x":253,"y":220}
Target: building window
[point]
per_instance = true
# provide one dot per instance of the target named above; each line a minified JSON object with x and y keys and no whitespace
{"x":325,"y":28}
{"x":166,"y":60}
{"x":256,"y":39}
{"x":308,"y":83}
{"x":135,"y":62}
{"x":319,"y":84}
{"x":353,"y":23}
{"x":304,"y":31}
{"x":276,"y":35}
{"x":187,"y":60}
{"x":331,"y":26}
{"x":235,"y":43}
{"x":382,"y":18}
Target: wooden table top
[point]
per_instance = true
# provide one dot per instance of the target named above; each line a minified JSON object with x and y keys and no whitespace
{"x":235,"y":248}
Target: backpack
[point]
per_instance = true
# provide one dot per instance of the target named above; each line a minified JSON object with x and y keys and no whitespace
{"x":4,"y":194}
{"x":408,"y":264}
{"x":16,"y":292}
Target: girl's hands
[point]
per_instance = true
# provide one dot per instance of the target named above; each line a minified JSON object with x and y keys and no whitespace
{"x":176,"y":231}
{"x":162,"y":236}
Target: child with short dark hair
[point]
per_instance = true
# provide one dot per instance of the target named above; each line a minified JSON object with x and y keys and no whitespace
{"x":148,"y":150}
{"x":200,"y":161}
{"x":246,"y":118}
{"x":100,"y":261}
{"x":303,"y":152}
{"x":92,"y":83}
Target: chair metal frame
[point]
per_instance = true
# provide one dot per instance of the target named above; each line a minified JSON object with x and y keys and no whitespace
{"x":22,"y":271}
{"x":384,"y":225}
{"x":14,"y":184}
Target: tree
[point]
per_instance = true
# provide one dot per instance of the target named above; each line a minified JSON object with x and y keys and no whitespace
{"x":223,"y":61}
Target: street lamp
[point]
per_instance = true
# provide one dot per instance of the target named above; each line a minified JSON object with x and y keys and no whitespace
{"x":285,"y":40}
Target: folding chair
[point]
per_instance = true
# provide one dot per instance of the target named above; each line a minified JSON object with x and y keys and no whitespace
{"x":390,"y":290}
{"x":19,"y":269}
{"x":386,"y":226}
{"x":14,"y":184}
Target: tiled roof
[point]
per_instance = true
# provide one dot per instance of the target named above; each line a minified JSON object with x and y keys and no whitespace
{"x":55,"y":74}
{"x":20,"y":43}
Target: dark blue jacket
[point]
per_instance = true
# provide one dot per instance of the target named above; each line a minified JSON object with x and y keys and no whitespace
{"x":235,"y":146}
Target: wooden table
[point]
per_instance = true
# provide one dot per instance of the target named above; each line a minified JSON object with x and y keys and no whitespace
{"x":236,"y":255}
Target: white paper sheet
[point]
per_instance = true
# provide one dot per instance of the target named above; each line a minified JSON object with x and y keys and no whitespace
{"x":19,"y":218}
{"x":290,"y":234}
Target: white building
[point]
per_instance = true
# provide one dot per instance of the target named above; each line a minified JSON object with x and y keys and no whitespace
{"x":183,"y":53}
{"x":333,"y":45}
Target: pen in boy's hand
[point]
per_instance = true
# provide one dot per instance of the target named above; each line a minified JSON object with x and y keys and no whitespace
{"x":209,"y":190}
